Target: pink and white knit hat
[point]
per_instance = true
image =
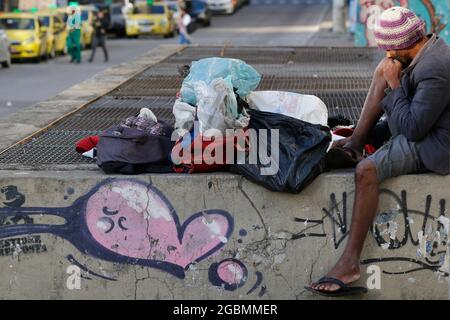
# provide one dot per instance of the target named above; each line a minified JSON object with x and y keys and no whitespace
{"x":398,"y":28}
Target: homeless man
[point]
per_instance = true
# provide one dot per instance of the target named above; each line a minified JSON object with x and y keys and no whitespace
{"x":411,"y":87}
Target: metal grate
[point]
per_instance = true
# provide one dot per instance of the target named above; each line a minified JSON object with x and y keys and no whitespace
{"x":312,"y":85}
{"x":88,"y":121}
{"x":60,"y":138}
{"x":37,"y":155}
{"x":108,"y":111}
{"x":351,"y":114}
{"x":249,"y":55}
{"x":162,"y":69}
{"x":338,"y":55}
{"x":314,"y":71}
{"x":254,"y":55}
{"x":169,"y":86}
{"x":331,"y":70}
{"x":118,"y":102}
{"x":155,"y":86}
{"x":343,"y":99}
{"x":339,"y":76}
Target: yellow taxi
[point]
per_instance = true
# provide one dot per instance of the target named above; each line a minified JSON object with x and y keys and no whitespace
{"x":27,"y":39}
{"x":87,"y":30}
{"x":57,"y":32}
{"x":150,"y":20}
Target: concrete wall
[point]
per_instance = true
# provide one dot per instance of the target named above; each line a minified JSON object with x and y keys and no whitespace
{"x":211,"y":236}
{"x":436,"y":14}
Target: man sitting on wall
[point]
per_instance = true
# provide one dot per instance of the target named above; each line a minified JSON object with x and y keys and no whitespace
{"x":411,"y":86}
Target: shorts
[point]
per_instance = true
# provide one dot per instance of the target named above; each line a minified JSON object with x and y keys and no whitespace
{"x":397,"y":157}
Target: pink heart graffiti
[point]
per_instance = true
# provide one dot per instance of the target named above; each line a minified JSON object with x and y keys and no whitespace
{"x":135,"y":220}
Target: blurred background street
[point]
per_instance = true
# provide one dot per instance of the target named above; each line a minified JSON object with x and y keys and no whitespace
{"x":137,"y":26}
{"x":261,"y":23}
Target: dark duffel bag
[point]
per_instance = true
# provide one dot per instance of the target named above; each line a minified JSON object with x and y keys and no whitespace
{"x":302,"y":148}
{"x":130,"y":150}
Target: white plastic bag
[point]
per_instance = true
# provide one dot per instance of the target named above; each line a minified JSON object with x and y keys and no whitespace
{"x":217,"y":108}
{"x":184,"y":117}
{"x":303,"y":107}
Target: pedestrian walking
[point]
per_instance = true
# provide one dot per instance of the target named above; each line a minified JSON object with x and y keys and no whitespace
{"x":73,"y":41}
{"x":100,"y":26}
{"x":184,"y":19}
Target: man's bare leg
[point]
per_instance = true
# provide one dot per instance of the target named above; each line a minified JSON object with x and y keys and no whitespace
{"x":365,"y":205}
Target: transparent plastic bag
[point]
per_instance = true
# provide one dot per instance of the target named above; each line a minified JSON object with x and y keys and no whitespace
{"x":217,"y":108}
{"x":243,"y":76}
{"x":184,"y":117}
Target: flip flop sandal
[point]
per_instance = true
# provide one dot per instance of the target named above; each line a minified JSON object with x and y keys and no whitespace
{"x":338,"y":158}
{"x":343,"y":291}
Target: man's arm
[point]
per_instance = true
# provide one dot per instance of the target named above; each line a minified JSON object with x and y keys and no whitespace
{"x":415,"y":117}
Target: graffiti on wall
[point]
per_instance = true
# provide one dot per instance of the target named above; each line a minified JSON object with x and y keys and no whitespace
{"x":435,"y":13}
{"x":426,"y":230}
{"x":12,"y":198}
{"x":129,"y":221}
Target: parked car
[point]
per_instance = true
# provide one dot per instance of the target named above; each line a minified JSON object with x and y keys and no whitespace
{"x":201,"y":12}
{"x":53,"y":23}
{"x":226,"y":6}
{"x":117,"y":17}
{"x":150,"y":20}
{"x":27,"y":39}
{"x":61,"y":34}
{"x":5,"y":56}
{"x":87,"y":19}
{"x":197,"y":9}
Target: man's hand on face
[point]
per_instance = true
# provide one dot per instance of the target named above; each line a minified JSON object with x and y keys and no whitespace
{"x":392,"y":70}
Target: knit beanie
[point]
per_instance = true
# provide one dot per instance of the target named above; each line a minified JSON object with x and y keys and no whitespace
{"x":398,"y":28}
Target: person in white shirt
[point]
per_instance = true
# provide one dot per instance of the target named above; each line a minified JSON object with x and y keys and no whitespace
{"x":184,"y":19}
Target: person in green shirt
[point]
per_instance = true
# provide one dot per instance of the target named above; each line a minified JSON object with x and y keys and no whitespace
{"x":74,"y":36}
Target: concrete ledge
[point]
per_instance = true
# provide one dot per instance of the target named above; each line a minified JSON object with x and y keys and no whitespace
{"x":71,"y":231}
{"x":24,"y":123}
{"x":249,"y":243}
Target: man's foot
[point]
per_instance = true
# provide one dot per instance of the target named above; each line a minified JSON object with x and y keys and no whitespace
{"x":346,"y":271}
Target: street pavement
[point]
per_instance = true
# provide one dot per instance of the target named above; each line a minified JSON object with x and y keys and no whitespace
{"x":263,"y":23}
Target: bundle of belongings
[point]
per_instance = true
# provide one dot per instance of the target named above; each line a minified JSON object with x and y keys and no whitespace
{"x":136,"y":145}
{"x":276,"y":139}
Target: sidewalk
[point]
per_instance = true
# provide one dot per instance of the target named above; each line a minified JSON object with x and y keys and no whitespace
{"x":325,"y":37}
